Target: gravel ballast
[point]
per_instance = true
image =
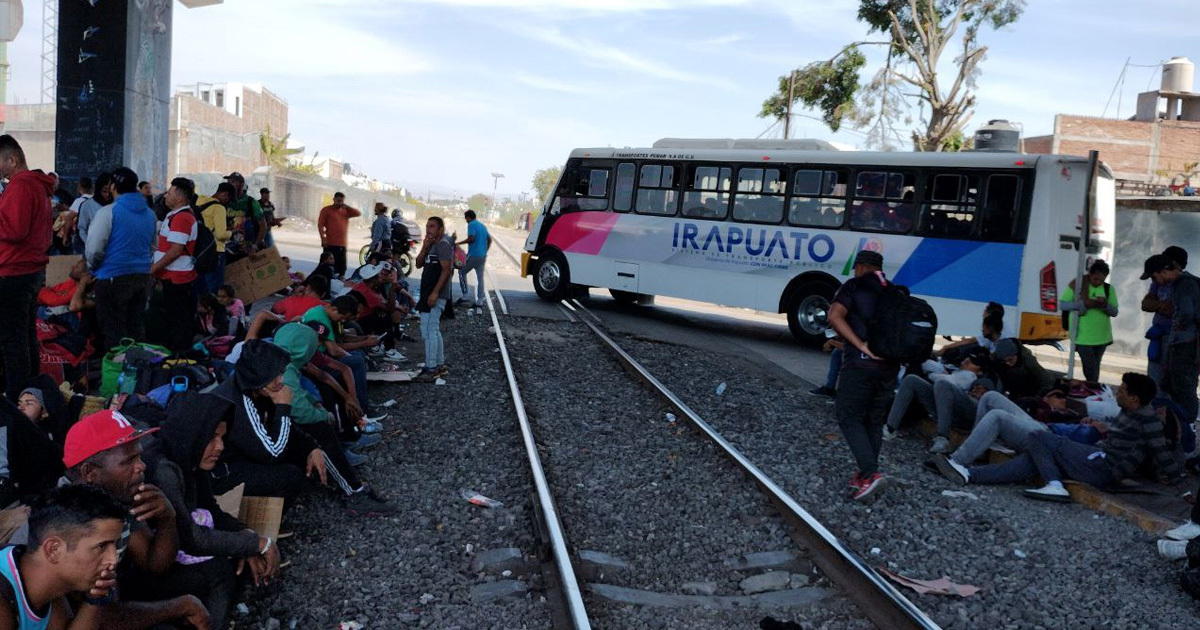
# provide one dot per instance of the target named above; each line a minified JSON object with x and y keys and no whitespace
{"x":649,"y":492}
{"x":1039,"y":565}
{"x":413,"y":569}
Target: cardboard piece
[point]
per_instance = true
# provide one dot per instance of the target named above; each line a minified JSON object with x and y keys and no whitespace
{"x":59,"y":269}
{"x":11,"y":520}
{"x":262,"y":514}
{"x":258,"y":275}
{"x":941,"y":586}
{"x":391,"y":377}
{"x":231,"y":502}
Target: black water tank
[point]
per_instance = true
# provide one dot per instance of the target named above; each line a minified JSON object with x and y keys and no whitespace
{"x":998,"y":136}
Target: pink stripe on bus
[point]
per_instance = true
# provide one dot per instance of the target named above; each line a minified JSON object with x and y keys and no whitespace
{"x":582,"y":232}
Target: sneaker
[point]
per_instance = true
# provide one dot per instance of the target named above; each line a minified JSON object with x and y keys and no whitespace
{"x":870,"y":486}
{"x":394,"y":356}
{"x":371,"y":427}
{"x":375,"y":351}
{"x":1187,"y":531}
{"x":856,"y":481}
{"x":441,"y":370}
{"x":889,"y":433}
{"x":1053,"y":491}
{"x":365,"y":441}
{"x":365,"y":502}
{"x":824,"y":391}
{"x":407,"y":337}
{"x":1173,"y":549}
{"x":426,"y":375}
{"x":940,"y":446}
{"x":952,"y":470}
{"x":353,"y":458}
{"x":374,"y":416}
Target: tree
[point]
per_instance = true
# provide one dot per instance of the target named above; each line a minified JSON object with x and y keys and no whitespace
{"x":479,"y":202}
{"x":544,"y":181}
{"x":919,"y":33}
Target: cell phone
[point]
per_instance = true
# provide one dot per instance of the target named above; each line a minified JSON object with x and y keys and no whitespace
{"x":384,"y":335}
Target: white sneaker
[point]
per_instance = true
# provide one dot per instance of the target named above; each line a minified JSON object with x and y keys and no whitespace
{"x":953,"y":470}
{"x":394,"y":356}
{"x":1173,"y":549}
{"x":375,"y":420}
{"x":1187,"y":531}
{"x":889,"y":433}
{"x":1053,"y":491}
{"x":375,"y":351}
{"x":940,"y":446}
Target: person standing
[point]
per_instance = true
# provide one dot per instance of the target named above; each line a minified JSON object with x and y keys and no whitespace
{"x":1092,"y":315}
{"x":119,"y":252}
{"x":381,"y":230}
{"x":245,"y":216}
{"x":867,"y":382}
{"x":173,"y":263}
{"x":1180,"y":370}
{"x":478,"y":242}
{"x":84,"y":207}
{"x":333,"y":224}
{"x":213,"y":213}
{"x":269,"y":217}
{"x":436,"y":260}
{"x":25,"y":236}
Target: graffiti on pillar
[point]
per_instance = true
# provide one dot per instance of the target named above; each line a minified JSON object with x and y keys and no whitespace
{"x":149,"y":96}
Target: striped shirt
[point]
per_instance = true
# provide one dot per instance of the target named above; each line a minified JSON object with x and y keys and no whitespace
{"x":1133,"y":437}
{"x":178,"y":228}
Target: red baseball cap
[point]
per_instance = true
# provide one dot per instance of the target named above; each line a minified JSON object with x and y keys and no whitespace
{"x":99,"y":432}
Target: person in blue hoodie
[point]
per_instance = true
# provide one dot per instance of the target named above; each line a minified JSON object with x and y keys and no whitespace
{"x":120,"y":246}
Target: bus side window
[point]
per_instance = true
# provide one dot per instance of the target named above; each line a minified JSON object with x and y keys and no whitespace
{"x":657,"y":192}
{"x":1001,"y":201}
{"x":819,"y":198}
{"x":950,"y":206}
{"x":591,"y":189}
{"x":760,"y":195}
{"x":623,"y":195}
{"x":883,"y":201}
{"x":708,"y":195}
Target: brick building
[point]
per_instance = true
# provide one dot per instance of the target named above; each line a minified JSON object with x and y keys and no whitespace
{"x":1148,"y":152}
{"x":221,"y":124}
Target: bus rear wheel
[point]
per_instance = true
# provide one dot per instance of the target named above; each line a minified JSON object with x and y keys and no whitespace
{"x":808,"y":312}
{"x":552,"y":278}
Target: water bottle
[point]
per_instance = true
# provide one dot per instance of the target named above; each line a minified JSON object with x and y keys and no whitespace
{"x":721,"y":388}
{"x":127,"y":380}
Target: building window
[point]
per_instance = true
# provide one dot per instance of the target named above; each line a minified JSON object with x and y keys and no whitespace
{"x":220,"y":100}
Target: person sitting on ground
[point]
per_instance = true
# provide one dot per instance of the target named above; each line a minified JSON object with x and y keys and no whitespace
{"x":989,"y":333}
{"x":234,"y":309}
{"x":296,"y":277}
{"x":1130,"y":440}
{"x":1020,"y":373}
{"x":944,"y":396}
{"x":378,"y":316}
{"x":311,"y":294}
{"x":104,"y":449}
{"x":325,"y":267}
{"x":348,"y":351}
{"x":32,"y":443}
{"x":72,"y":548}
{"x":998,"y":418}
{"x":60,"y":298}
{"x":214,"y":547}
{"x":211,"y":320}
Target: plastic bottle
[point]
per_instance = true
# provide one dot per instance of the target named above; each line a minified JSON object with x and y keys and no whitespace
{"x":478,"y":499}
{"x":721,"y":388}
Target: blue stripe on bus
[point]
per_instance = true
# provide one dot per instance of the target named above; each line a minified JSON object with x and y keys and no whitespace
{"x":964,"y":270}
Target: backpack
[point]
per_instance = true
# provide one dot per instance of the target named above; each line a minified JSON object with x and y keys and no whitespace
{"x":1066,"y":315}
{"x":903,"y":328}
{"x":204,"y":256}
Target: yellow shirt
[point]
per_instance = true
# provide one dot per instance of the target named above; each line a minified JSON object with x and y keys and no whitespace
{"x":214,"y":220}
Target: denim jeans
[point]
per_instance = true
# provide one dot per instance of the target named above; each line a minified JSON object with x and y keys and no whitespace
{"x":213,"y":280}
{"x":432,"y":333}
{"x":18,"y":330}
{"x":862,"y":400}
{"x":942,"y":399}
{"x":357,"y":362}
{"x":473,"y":264}
{"x":1180,"y":377}
{"x":997,"y":417}
{"x":1054,"y":458}
{"x":835,"y":366}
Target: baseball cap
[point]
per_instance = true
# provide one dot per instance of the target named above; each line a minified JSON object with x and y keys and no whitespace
{"x":868,"y":257}
{"x":235,"y":175}
{"x":124,"y":177}
{"x":1005,"y":348}
{"x":226,"y":187}
{"x":985,"y":383}
{"x":1155,"y":264}
{"x":264,"y":189}
{"x":366,"y":272}
{"x":97,"y":433}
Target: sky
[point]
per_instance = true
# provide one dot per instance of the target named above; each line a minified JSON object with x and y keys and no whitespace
{"x":437,"y":95}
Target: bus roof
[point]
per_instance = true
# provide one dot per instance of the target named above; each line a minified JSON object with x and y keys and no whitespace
{"x":969,"y":159}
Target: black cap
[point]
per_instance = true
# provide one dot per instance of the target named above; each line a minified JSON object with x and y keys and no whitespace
{"x":226,"y":187}
{"x":260,"y":363}
{"x":125,"y":178}
{"x":868,"y":257}
{"x":1155,"y":264}
{"x":235,"y":175}
{"x":263,"y":190}
{"x":1005,"y":349}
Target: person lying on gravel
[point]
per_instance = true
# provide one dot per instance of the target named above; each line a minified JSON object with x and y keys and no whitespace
{"x":1020,"y":373}
{"x":263,"y":451}
{"x":214,"y":547}
{"x":944,"y":396}
{"x":998,"y":418}
{"x":1132,"y":438}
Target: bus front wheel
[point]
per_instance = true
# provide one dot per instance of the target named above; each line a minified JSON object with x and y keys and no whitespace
{"x":552,"y":278}
{"x":808,"y":312}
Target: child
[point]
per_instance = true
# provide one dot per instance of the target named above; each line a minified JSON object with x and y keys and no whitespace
{"x":296,"y":277}
{"x":211,"y":320}
{"x":234,"y":310}
{"x":325,"y":267}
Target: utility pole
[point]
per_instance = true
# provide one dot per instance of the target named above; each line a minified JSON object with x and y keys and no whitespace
{"x":495,"y":181}
{"x":787,"y":122}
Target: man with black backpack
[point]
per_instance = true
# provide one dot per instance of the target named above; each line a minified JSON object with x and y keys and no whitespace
{"x":867,"y":381}
{"x":212,"y":215}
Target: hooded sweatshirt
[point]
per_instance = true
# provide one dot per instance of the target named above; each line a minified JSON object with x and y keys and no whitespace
{"x":301,"y":343}
{"x":122,"y":237}
{"x":191,"y":422}
{"x":261,"y":432}
{"x":25,"y":223}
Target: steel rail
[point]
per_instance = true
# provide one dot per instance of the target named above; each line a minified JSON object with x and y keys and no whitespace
{"x":558,"y":544}
{"x":882,"y":603}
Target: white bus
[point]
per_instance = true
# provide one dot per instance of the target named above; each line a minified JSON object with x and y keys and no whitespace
{"x":776,"y":229}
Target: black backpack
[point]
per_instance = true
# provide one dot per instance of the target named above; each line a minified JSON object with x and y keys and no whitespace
{"x":1066,"y":315}
{"x":903,"y":328}
{"x":204,"y":257}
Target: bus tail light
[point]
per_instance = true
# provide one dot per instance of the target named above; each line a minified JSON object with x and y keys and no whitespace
{"x":1049,"y":288}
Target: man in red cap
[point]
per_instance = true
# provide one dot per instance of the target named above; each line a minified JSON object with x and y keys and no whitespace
{"x":104,"y":449}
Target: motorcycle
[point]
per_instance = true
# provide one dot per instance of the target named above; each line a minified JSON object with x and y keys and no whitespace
{"x":406,"y":236}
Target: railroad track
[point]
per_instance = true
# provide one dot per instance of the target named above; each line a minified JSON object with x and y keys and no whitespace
{"x":874,"y":597}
